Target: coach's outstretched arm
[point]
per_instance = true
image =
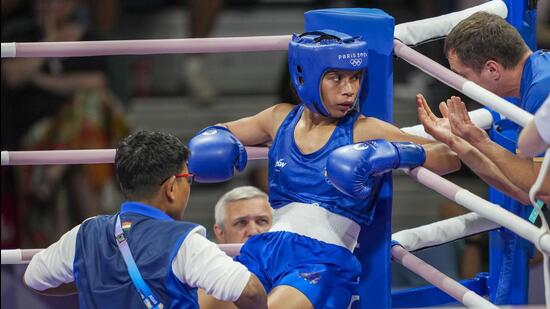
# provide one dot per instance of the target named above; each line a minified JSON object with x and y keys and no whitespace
{"x":495,"y":167}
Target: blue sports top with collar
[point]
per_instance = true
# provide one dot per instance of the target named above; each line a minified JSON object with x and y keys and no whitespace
{"x":154,"y":238}
{"x":143,"y":209}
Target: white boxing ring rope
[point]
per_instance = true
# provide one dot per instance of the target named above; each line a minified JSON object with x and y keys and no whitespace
{"x":539,"y":237}
{"x":444,"y":231}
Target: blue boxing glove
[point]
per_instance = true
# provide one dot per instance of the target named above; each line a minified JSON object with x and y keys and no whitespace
{"x":352,"y":169}
{"x":215,"y":154}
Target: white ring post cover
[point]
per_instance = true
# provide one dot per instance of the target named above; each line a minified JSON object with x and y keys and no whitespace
{"x":416,"y":32}
{"x":444,"y":231}
{"x":12,"y":257}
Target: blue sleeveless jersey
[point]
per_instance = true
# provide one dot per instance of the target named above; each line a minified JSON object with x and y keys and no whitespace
{"x":154,"y":238}
{"x":298,"y":177}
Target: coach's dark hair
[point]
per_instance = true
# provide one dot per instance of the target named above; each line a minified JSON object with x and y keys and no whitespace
{"x":484,"y":36}
{"x":144,"y":159}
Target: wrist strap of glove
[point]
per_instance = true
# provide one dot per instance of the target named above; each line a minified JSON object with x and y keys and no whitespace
{"x":411,"y":155}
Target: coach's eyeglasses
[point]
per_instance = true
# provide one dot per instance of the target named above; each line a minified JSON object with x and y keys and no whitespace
{"x":190,"y":177}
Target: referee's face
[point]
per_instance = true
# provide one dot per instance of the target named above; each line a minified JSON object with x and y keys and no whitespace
{"x":244,"y":218}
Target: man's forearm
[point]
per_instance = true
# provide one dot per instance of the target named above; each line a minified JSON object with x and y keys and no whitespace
{"x":488,"y":171}
{"x":440,"y":158}
{"x":522,"y":172}
{"x":530,"y":143}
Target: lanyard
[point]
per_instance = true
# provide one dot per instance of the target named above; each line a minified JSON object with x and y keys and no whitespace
{"x":145,"y":293}
{"x":534,"y":212}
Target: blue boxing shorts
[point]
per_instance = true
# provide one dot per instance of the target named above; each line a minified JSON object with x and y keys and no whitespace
{"x":326,"y":274}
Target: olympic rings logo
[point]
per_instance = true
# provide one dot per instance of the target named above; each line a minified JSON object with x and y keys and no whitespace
{"x":356,"y":61}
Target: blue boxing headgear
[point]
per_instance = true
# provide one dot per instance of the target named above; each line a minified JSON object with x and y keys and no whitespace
{"x":311,"y":54}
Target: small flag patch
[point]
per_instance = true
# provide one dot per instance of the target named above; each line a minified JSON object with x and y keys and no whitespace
{"x":126,"y":225}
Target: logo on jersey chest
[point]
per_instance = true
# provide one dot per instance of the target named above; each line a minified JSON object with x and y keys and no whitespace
{"x":280,"y":164}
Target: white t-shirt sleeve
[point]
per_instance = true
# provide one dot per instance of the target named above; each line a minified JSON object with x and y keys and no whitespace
{"x":200,"y":263}
{"x":542,"y":121}
{"x":53,"y":266}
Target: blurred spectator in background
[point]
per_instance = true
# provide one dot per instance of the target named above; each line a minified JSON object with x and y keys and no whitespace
{"x":51,"y":103}
{"x":202,"y":18}
{"x":241,"y":213}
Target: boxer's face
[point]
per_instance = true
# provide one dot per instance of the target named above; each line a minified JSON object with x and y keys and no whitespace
{"x":339,"y":89}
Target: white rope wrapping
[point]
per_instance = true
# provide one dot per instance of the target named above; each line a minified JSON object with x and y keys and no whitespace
{"x":5,"y":158}
{"x":18,"y":256}
{"x":8,"y":50}
{"x":12,"y":256}
{"x":444,"y":231}
{"x":418,"y":31}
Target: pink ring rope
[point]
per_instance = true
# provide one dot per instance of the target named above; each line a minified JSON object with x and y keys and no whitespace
{"x":491,"y":211}
{"x":150,"y":47}
{"x":439,"y":279}
{"x":461,"y":84}
{"x":87,"y":156}
{"x":24,"y":256}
